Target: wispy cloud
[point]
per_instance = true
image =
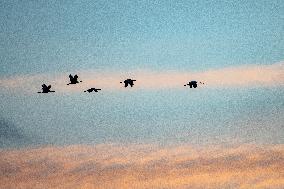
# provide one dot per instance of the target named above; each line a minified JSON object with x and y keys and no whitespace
{"x":251,"y":75}
{"x":144,"y":166}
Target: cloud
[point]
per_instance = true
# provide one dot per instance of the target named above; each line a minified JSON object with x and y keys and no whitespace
{"x":11,"y":135}
{"x":144,"y":166}
{"x":251,"y":75}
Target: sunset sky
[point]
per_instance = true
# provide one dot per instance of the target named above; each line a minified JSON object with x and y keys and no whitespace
{"x":176,"y":137}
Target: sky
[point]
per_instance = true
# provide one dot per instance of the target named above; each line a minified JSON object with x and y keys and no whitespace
{"x":143,"y":166}
{"x":47,"y":37}
{"x":227,"y":132}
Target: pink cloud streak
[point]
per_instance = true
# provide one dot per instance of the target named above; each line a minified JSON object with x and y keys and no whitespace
{"x":252,"y":75}
{"x":144,"y":166}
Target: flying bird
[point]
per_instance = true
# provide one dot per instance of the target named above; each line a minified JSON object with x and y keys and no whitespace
{"x":46,"y":89}
{"x":192,"y":84}
{"x":73,"y":79}
{"x":128,"y":82}
{"x":92,"y":89}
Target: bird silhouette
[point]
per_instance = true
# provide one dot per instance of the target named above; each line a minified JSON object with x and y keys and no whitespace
{"x":128,"y":82}
{"x":192,"y":84}
{"x":73,"y":79}
{"x":92,"y":89}
{"x":46,"y":89}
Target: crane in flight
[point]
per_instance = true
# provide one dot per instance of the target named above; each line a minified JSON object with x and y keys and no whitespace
{"x":193,"y":84}
{"x":46,"y":89}
{"x":92,"y":89}
{"x":73,"y":79}
{"x":128,"y":82}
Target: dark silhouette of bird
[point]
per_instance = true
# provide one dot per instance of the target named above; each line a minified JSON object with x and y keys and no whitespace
{"x":92,"y":89}
{"x":73,"y":79}
{"x":128,"y":82}
{"x":192,"y":84}
{"x":46,"y":89}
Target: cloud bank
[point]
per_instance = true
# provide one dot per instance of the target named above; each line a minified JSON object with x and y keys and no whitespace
{"x":11,"y":135}
{"x":144,"y":166}
{"x":252,"y":75}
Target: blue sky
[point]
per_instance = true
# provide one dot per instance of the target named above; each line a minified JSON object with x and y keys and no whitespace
{"x":41,"y":36}
{"x":204,"y":116}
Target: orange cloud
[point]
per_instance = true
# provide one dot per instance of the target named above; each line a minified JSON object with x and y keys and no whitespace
{"x":143,"y":166}
{"x":251,"y":75}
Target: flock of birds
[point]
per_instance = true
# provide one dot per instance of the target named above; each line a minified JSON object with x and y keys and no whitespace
{"x":127,"y":82}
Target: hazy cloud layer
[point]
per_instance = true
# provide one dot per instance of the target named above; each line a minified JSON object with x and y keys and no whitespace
{"x":252,"y":75}
{"x":144,"y":166}
{"x":11,"y":135}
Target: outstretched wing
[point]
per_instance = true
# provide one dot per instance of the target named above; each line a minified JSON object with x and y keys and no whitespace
{"x":71,"y":77}
{"x":49,"y":86}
